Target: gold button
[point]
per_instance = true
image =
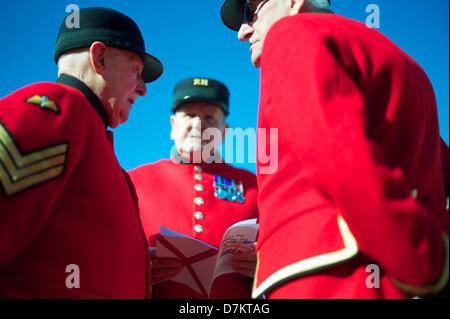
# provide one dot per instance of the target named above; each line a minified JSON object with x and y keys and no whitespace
{"x":414,"y":193}
{"x":198,"y":229}
{"x":198,"y":177}
{"x":197,"y":168}
{"x":199,"y":188}
{"x":198,"y":215}
{"x":199,"y":201}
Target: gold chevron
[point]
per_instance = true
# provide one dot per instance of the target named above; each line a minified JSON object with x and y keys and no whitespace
{"x":19,"y":172}
{"x":43,"y":102}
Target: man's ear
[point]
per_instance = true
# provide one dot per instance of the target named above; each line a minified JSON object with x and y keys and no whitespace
{"x":296,"y":6}
{"x":97,"y":54}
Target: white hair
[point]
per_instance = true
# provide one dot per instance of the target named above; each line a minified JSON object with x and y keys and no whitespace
{"x":75,"y":63}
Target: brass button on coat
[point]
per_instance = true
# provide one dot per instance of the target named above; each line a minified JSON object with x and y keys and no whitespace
{"x":197,"y":168}
{"x":199,"y":215}
{"x":198,"y":229}
{"x":199,"y":188}
{"x":198,"y":177}
{"x":199,"y":201}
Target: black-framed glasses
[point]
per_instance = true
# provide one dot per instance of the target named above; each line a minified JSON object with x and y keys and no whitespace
{"x":248,"y":10}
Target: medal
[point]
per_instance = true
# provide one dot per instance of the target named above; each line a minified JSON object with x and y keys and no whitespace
{"x":229,"y":189}
{"x":220,"y":188}
{"x":240,"y":192}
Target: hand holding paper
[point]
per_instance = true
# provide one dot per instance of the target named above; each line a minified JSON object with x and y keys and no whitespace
{"x":164,"y":269}
{"x":244,"y":264}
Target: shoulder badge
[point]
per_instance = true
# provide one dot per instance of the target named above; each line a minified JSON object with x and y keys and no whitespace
{"x":44,"y":103}
{"x":229,"y":189}
{"x":19,"y":172}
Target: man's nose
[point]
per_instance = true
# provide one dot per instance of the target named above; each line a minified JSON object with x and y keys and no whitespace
{"x":197,"y":123}
{"x":141,"y":89}
{"x":245,"y":32}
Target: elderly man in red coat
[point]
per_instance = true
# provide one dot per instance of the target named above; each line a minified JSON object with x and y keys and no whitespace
{"x":69,"y":220}
{"x":195,"y":192}
{"x":356,"y":208}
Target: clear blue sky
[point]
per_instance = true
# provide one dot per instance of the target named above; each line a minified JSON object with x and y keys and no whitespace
{"x":190,"y":39}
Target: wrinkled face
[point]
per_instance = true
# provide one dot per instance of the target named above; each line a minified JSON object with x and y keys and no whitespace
{"x":123,"y":84}
{"x":266,"y":13}
{"x":189,"y":124}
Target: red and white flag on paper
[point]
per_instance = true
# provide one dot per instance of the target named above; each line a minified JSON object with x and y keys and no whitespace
{"x":198,"y":257}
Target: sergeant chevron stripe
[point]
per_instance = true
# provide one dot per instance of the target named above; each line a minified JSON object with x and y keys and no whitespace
{"x":19,"y":172}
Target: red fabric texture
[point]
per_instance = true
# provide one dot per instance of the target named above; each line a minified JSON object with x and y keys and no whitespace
{"x":357,"y":134}
{"x":88,"y":216}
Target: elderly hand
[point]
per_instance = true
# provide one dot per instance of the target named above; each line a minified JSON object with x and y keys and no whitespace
{"x":244,"y":264}
{"x":164,"y":269}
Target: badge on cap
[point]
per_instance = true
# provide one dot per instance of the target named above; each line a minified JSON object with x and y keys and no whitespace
{"x":229,"y":189}
{"x":203,"y":82}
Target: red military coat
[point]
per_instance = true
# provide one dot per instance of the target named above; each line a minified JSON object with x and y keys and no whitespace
{"x":65,"y":202}
{"x":181,"y":197}
{"x":358,"y":192}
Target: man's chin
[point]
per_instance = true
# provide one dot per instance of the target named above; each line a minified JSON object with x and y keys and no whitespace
{"x":113,"y":123}
{"x":115,"y":120}
{"x":124,"y":117}
{"x":256,"y":62}
{"x":256,"y":56}
{"x":191,"y":155}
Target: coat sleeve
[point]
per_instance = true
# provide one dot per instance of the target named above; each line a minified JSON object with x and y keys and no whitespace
{"x":308,"y":93}
{"x":38,"y":154}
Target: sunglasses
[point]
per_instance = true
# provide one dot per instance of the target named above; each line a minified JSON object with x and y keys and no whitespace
{"x":249,"y":8}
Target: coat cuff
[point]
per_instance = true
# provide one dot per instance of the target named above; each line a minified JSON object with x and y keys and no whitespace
{"x":309,"y":265}
{"x":430,"y":289}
